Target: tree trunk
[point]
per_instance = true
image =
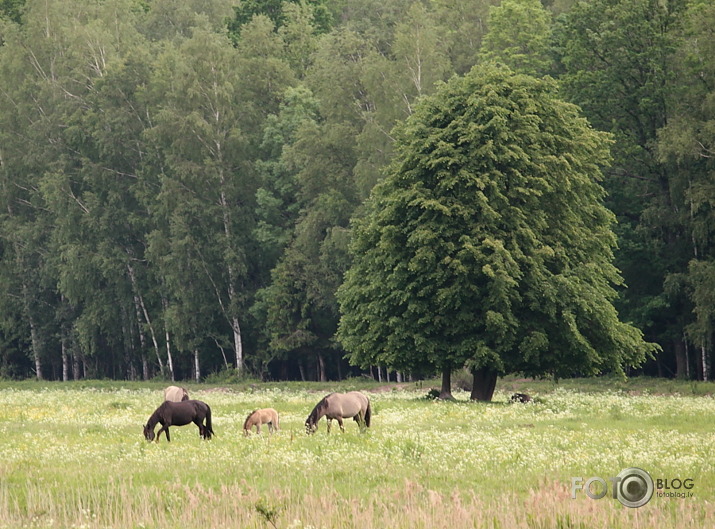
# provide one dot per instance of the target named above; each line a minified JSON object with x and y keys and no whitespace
{"x":197,"y":366}
{"x":704,"y":358}
{"x":687,"y":356}
{"x":35,"y":338}
{"x":321,"y":369}
{"x":445,"y":393}
{"x":223,"y":353}
{"x":76,"y":365}
{"x":681,"y":365}
{"x":232,"y":279}
{"x":237,"y":340}
{"x":140,"y":308}
{"x":169,"y":358}
{"x":485,"y":380}
{"x":36,"y":347}
{"x":65,"y":361}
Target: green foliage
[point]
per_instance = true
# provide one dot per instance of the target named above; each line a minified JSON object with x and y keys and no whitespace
{"x":277,"y":203}
{"x":11,"y":10}
{"x":277,"y":11}
{"x":463,"y":28}
{"x":630,"y":93}
{"x":488,"y":242}
{"x":518,"y":36}
{"x":688,"y":140}
{"x":177,"y":177}
{"x":268,"y":512}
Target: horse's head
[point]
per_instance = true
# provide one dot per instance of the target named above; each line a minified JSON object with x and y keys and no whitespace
{"x":148,"y":433}
{"x":311,"y":423}
{"x":310,"y":426}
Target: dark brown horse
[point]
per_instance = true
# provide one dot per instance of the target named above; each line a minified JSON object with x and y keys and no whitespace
{"x":179,"y":414}
{"x":340,"y":406}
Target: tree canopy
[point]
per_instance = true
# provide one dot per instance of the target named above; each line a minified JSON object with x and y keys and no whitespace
{"x":178,"y":180}
{"x":488,"y":242}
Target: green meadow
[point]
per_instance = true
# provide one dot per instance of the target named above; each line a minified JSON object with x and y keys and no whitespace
{"x":73,"y":456}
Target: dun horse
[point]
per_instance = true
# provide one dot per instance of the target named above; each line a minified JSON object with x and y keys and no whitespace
{"x":176,"y":394}
{"x":263,"y":416}
{"x":179,"y":414}
{"x":340,"y":406}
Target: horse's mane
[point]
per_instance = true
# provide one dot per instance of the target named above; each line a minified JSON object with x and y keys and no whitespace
{"x":245,"y":423}
{"x":154,"y":418}
{"x":322,"y":404}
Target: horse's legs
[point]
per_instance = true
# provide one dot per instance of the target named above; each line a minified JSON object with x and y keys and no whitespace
{"x":340,"y":422}
{"x":361,"y":421}
{"x":202,"y":428}
{"x":162,"y":429}
{"x":330,"y":423}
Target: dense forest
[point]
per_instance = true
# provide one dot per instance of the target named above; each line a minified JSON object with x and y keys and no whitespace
{"x":180,"y":179}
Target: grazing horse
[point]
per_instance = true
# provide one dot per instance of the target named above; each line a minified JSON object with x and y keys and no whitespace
{"x":179,"y":414}
{"x":176,"y":394}
{"x":263,"y":416}
{"x":340,"y":406}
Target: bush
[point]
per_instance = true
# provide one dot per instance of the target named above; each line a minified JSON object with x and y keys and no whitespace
{"x":432,"y":394}
{"x":229,"y":376}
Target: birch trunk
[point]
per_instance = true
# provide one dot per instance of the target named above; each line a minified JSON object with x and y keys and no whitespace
{"x":65,"y":360}
{"x":228,"y":232}
{"x":197,"y":367}
{"x":35,"y":339}
{"x":169,"y":358}
{"x":140,"y":308}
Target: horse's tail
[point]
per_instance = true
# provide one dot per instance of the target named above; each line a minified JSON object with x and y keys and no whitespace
{"x":209,"y":429}
{"x":368,"y":414}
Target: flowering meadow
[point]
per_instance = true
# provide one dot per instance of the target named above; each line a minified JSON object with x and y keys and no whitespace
{"x":74,"y":457}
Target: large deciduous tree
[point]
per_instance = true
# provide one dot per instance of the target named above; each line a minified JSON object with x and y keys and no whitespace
{"x":488,"y":242}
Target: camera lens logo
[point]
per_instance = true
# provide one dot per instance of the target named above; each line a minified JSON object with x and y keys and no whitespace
{"x":634,"y":487}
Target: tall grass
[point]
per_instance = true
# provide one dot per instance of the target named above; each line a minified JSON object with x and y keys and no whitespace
{"x":126,"y":504}
{"x":75,"y":457}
